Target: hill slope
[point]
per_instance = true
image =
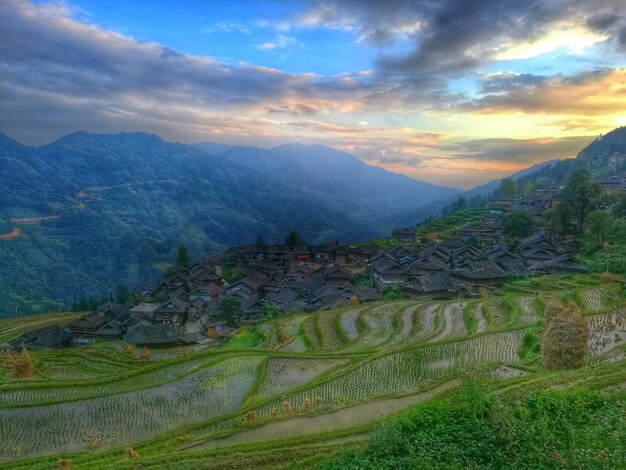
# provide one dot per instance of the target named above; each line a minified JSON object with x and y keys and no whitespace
{"x":339,"y":179}
{"x":410,"y":218}
{"x":94,"y":211}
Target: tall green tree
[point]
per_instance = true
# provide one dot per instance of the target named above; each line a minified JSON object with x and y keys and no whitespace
{"x":598,"y":227}
{"x":122,"y":294}
{"x":508,"y":187}
{"x":517,"y":224}
{"x":231,"y":308}
{"x":182,"y":257}
{"x":560,"y":221}
{"x":293,"y":239}
{"x":271,"y":310}
{"x":581,"y":195}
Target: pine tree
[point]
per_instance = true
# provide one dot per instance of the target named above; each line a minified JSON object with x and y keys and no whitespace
{"x":182,"y":257}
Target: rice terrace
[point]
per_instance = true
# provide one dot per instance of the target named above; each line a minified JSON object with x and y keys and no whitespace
{"x":298,"y":390}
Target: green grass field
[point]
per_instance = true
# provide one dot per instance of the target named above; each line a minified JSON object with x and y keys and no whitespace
{"x":303,"y":390}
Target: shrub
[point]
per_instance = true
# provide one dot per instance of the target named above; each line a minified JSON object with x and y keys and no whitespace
{"x":565,"y":340}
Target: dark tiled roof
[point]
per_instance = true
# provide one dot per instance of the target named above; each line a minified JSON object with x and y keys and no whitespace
{"x":145,"y":333}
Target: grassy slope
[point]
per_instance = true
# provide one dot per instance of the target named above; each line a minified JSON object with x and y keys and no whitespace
{"x":104,"y":371}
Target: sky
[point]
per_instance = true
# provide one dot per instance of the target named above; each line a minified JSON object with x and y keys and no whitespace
{"x":447,"y":91}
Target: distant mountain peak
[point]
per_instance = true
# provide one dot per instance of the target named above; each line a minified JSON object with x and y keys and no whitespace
{"x":7,"y":141}
{"x":142,"y":138}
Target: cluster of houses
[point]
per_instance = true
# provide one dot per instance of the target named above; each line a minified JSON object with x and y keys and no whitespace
{"x":186,"y":307}
{"x":454,"y":267}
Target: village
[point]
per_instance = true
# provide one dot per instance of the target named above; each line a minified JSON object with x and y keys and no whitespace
{"x":198,"y":305}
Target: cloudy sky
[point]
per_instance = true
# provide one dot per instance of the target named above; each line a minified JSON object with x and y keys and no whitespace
{"x":454,"y":92}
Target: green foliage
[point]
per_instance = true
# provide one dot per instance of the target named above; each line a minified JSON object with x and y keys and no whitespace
{"x":517,"y":224}
{"x":392,"y":293}
{"x":530,"y":349}
{"x":182,"y":257}
{"x":508,"y":187}
{"x":598,"y":227}
{"x":232,"y":273}
{"x":365,"y":279}
{"x":548,"y":429}
{"x":580,"y":196}
{"x":451,"y":222}
{"x":230,"y":307}
{"x":469,"y":319}
{"x":271,"y":310}
{"x":294,"y":239}
{"x":122,"y":294}
{"x":246,"y":338}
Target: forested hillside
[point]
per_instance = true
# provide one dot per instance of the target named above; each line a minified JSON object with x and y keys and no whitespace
{"x":88,"y":212}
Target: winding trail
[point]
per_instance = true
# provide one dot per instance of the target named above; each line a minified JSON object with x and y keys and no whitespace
{"x":344,"y":418}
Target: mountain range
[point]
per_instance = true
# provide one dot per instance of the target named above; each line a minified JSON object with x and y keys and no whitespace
{"x":88,"y":211}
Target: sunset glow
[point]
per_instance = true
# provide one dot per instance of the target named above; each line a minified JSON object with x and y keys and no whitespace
{"x":450,"y":92}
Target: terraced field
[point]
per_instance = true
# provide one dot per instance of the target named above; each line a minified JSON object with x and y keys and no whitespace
{"x":317,"y":380}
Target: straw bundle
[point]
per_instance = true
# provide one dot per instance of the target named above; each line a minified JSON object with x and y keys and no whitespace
{"x":565,"y":340}
{"x":553,"y":308}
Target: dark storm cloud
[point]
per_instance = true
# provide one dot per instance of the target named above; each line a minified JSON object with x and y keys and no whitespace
{"x":519,"y":150}
{"x":453,"y":37}
{"x":57,"y":65}
{"x":62,"y":74}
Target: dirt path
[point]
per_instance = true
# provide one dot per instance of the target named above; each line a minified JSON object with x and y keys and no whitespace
{"x":341,"y":419}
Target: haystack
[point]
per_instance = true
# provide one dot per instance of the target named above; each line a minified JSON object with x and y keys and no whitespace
{"x":553,"y":308}
{"x":565,"y":341}
{"x":606,"y":277}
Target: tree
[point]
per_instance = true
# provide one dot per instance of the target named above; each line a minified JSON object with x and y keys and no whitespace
{"x":560,"y":221}
{"x":231,"y":308}
{"x":598,"y":227}
{"x":293,"y":239}
{"x":182,"y":258}
{"x":619,"y":209}
{"x":271,"y":310}
{"x":122,"y":294}
{"x":508,"y":187}
{"x":260,"y":243}
{"x":392,"y":292}
{"x":528,"y":188}
{"x":580,"y":196}
{"x":517,"y":224}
